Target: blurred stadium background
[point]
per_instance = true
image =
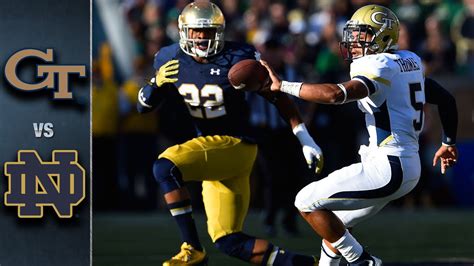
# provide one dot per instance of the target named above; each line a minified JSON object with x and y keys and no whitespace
{"x":300,"y":39}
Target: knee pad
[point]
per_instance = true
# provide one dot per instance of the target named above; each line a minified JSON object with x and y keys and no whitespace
{"x":299,"y":199}
{"x":305,"y":201}
{"x":237,"y":245}
{"x":167,"y":175}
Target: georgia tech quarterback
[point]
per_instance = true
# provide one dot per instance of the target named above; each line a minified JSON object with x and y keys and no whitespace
{"x":223,"y":153}
{"x":390,"y":88}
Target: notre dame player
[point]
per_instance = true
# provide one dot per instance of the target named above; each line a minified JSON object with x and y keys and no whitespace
{"x":222,"y":154}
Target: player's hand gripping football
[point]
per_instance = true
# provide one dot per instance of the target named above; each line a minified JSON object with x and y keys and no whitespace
{"x":447,"y":155}
{"x":275,"y":81}
{"x":311,"y":151}
{"x":170,"y":68}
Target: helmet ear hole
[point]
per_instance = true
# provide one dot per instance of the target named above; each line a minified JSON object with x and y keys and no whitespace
{"x":385,"y":38}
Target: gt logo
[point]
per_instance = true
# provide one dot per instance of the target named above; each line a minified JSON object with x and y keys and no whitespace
{"x":34,"y":183}
{"x":381,"y":19}
{"x":49,"y":71}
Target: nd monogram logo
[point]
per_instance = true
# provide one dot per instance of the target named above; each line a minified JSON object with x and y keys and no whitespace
{"x":33,"y":183}
{"x":49,"y":71}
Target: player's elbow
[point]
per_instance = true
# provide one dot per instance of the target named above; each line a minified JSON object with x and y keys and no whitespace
{"x":450,"y":100}
{"x":142,"y":109}
{"x":147,"y":101}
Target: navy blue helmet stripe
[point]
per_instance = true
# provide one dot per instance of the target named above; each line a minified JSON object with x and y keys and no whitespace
{"x":390,"y":188}
{"x":369,"y":83}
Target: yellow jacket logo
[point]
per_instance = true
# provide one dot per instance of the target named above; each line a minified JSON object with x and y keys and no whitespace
{"x":49,"y":72}
{"x":34,"y":183}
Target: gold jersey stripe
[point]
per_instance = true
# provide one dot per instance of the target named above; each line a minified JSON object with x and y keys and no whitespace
{"x":376,"y":78}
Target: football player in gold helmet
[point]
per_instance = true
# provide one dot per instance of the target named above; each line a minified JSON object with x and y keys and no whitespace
{"x":223,"y":152}
{"x":389,"y":87}
{"x":372,"y":29}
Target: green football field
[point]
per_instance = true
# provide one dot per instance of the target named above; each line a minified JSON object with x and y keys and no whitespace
{"x":398,"y":237}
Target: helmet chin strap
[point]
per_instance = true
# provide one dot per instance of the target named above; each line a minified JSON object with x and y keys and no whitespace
{"x":374,"y":47}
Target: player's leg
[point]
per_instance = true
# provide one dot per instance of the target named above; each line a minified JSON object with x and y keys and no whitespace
{"x":197,"y":159}
{"x":355,"y":187}
{"x":177,"y":198}
{"x":324,"y":221}
{"x":226,"y":202}
{"x":168,"y":171}
{"x":329,"y":254}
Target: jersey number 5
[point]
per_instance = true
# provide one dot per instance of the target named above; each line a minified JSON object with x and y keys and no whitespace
{"x":418,"y":106}
{"x":207,"y":102}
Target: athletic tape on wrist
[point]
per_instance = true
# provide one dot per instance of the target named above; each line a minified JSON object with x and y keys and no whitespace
{"x":292,"y":88}
{"x":302,"y":134}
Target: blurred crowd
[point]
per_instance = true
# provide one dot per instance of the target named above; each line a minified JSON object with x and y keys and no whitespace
{"x":308,"y":31}
{"x":300,"y":39}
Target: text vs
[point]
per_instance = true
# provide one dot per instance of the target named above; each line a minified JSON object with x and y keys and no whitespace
{"x":43,"y":130}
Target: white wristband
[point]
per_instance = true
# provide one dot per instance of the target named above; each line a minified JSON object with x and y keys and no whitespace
{"x":292,"y":88}
{"x":343,"y":89}
{"x":302,"y":134}
{"x":448,"y":145}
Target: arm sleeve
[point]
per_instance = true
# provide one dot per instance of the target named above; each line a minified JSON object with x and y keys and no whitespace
{"x":436,"y":94}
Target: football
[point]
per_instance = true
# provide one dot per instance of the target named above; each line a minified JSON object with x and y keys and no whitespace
{"x":248,"y":75}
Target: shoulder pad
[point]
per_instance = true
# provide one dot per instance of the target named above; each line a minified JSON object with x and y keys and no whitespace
{"x":240,"y":50}
{"x":377,"y":67}
{"x":165,"y":54}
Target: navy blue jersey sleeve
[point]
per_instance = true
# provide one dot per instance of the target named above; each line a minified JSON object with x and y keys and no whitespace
{"x":436,"y":94}
{"x":165,"y":54}
{"x":250,"y":52}
{"x":150,"y":96}
{"x":240,"y":51}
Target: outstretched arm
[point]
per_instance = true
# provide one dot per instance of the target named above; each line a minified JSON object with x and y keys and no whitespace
{"x":288,"y":110}
{"x":447,"y":154}
{"x":327,"y":93}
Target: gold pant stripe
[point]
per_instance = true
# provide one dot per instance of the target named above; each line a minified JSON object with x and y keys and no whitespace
{"x":183,"y":210}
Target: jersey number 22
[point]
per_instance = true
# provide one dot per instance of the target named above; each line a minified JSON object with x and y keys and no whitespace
{"x":207,"y":102}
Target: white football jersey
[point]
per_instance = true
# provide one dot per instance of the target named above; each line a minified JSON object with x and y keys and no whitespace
{"x":394,"y":108}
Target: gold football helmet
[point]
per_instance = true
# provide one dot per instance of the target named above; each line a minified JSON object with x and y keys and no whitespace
{"x":373,"y":28}
{"x":199,"y":15}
